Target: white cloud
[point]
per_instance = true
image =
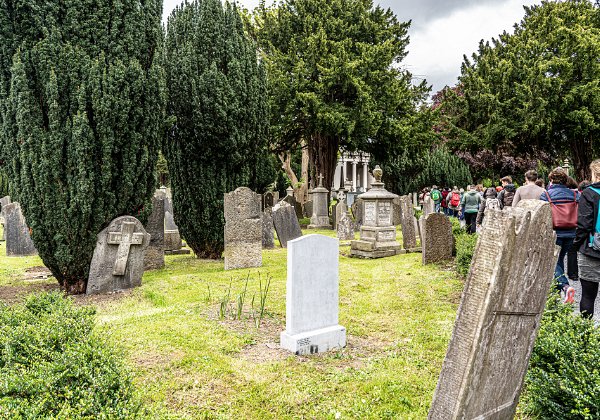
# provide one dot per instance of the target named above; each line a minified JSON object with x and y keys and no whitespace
{"x":436,"y":50}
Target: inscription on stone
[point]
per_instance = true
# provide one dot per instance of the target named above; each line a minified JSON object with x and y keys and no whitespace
{"x":370,"y":216}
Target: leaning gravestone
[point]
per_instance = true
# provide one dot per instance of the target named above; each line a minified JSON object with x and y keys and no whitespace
{"x":243,"y":229}
{"x":497,"y":321}
{"x":312,"y":300}
{"x":155,"y":254}
{"x":268,"y":242}
{"x":118,"y":261}
{"x":408,"y":223}
{"x":286,"y":223}
{"x":345,"y":229}
{"x":291,"y":200}
{"x":437,"y":241}
{"x":18,"y":239}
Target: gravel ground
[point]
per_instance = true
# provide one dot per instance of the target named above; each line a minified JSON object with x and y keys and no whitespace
{"x":577,"y":286}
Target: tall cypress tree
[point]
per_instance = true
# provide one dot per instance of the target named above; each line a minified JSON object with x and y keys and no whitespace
{"x":217,"y":92}
{"x":82,"y":107}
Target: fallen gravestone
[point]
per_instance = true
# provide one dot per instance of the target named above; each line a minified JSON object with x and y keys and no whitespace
{"x":408,"y":223}
{"x":437,"y":241}
{"x":345,"y":229}
{"x":312,"y":301}
{"x":499,"y":315}
{"x":17,"y":233}
{"x":118,"y":261}
{"x":155,"y":254}
{"x":268,"y":242}
{"x":243,"y":229}
{"x":285,"y":223}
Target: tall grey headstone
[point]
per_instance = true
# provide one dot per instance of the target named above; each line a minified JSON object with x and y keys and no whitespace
{"x":312,"y":296}
{"x":268,"y":241}
{"x":428,"y":206}
{"x":396,"y":212}
{"x":307,"y":209}
{"x":320,"y":209}
{"x":497,"y":322}
{"x":155,"y":254}
{"x":243,"y":229}
{"x":285,"y":223}
{"x":345,"y":229}
{"x":4,"y":201}
{"x":118,"y":261}
{"x":437,"y":241}
{"x":408,"y":223}
{"x":358,"y":212}
{"x":340,"y":208}
{"x":17,"y":233}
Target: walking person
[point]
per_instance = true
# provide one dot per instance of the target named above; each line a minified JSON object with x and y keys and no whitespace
{"x":453,"y":201}
{"x":436,"y":196}
{"x":564,"y":219}
{"x":587,"y":242}
{"x":444,"y":203}
{"x":489,"y":202}
{"x":507,"y":194}
{"x":529,"y":191}
{"x":469,"y":208}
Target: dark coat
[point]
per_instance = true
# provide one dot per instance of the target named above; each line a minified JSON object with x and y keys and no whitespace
{"x":506,"y":195}
{"x":587,"y":214}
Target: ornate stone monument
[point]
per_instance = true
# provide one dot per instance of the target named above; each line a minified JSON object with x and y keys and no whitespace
{"x":312,"y":296}
{"x":243,"y":229}
{"x":118,"y":261}
{"x":377,"y":234}
{"x":499,"y":315}
{"x":320,"y":207}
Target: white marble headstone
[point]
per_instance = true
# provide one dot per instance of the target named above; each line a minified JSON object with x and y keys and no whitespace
{"x":312,"y":296}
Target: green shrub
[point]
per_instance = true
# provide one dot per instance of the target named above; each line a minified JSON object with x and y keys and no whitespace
{"x":53,"y":364}
{"x":457,"y":229}
{"x":465,"y":246}
{"x":563,"y":380}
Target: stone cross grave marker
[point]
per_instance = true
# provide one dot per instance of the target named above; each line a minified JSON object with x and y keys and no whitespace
{"x":408,"y":223}
{"x":118,"y":261}
{"x":243,"y":229}
{"x":499,"y":315}
{"x":437,"y":241}
{"x":155,"y":254}
{"x":18,"y":239}
{"x":285,"y":223}
{"x":312,"y":296}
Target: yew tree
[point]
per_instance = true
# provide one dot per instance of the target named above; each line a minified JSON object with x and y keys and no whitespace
{"x":335,"y":78}
{"x":81,"y":115}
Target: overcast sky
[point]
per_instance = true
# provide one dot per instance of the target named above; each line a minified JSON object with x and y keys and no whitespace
{"x":441,"y":31}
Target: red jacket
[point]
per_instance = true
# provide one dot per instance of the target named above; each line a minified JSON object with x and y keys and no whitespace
{"x":444,"y":196}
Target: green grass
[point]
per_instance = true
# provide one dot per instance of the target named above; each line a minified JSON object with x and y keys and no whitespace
{"x":189,"y":364}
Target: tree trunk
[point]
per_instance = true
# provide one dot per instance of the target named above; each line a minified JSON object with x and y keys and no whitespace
{"x":582,"y":157}
{"x":323,"y":152}
{"x":300,"y":188}
{"x":302,"y":193}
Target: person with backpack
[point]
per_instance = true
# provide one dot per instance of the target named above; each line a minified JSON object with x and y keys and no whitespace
{"x":529,"y":191}
{"x":489,"y":202}
{"x":445,"y":193}
{"x":470,"y":207}
{"x":507,"y":194}
{"x":453,"y":200}
{"x":563,"y":202}
{"x":436,"y":196}
{"x":587,"y":241}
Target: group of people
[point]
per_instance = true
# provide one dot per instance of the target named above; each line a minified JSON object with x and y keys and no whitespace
{"x":575,"y":216}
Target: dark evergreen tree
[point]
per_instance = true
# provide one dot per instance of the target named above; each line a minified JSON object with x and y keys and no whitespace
{"x":82,"y":109}
{"x":217,"y":92}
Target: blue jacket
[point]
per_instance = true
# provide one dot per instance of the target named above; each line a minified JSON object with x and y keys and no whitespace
{"x":560,"y":194}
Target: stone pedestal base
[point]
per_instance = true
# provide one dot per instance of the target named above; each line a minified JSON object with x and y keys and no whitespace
{"x":376,"y":242}
{"x":320,"y":222}
{"x":316,"y":341}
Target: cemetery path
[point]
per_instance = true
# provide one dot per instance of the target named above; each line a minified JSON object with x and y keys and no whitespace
{"x":577,"y":286}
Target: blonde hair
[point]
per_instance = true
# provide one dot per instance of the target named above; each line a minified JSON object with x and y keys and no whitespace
{"x":595,"y":169}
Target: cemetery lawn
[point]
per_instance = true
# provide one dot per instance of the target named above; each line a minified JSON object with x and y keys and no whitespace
{"x":189,"y":363}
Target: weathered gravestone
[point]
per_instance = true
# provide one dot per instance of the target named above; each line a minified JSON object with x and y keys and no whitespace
{"x":118,"y":261}
{"x":408,"y":223}
{"x":437,"y":241}
{"x":340,"y":208}
{"x":243,"y":229}
{"x":357,"y":212}
{"x":396,"y":212}
{"x":268,"y":241}
{"x":428,"y":206}
{"x":285,"y":223}
{"x":345,"y":229}
{"x":312,"y":301}
{"x":291,"y":200}
{"x":4,"y":201}
{"x":270,"y":198}
{"x":499,"y":315}
{"x":18,"y":239}
{"x":155,"y":254}
{"x":307,"y":209}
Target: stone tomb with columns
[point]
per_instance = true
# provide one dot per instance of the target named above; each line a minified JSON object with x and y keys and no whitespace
{"x":118,"y":261}
{"x":377,"y":234}
{"x":353,"y":170}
